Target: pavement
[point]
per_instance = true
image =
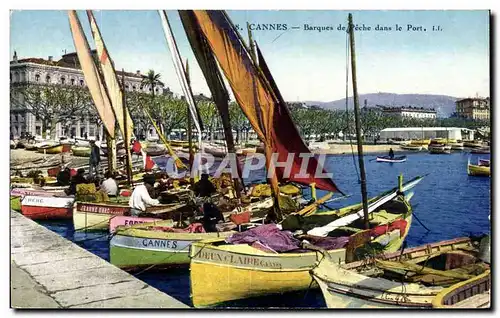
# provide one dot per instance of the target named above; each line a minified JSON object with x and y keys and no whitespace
{"x":48,"y":271}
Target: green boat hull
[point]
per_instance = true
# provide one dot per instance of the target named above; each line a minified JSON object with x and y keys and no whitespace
{"x":138,"y":253}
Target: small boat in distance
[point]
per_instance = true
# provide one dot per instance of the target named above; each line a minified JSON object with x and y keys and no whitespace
{"x":411,"y":147}
{"x":439,"y":148}
{"x":482,"y":150}
{"x":391,"y":160}
{"x":481,"y":169}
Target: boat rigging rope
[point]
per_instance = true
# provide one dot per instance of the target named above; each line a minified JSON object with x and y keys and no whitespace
{"x":347,"y":103}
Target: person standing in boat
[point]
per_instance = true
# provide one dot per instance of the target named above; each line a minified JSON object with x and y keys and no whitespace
{"x":391,"y":153}
{"x":204,"y":187}
{"x":95,"y":159}
{"x":140,"y":198}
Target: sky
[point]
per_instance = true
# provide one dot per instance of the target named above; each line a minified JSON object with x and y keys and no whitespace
{"x":307,"y":64}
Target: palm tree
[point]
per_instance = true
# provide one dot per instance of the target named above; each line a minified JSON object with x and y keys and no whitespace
{"x":152,"y":80}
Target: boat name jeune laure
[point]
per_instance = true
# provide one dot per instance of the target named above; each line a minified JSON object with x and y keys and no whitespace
{"x":244,"y":261}
{"x":101,"y":209}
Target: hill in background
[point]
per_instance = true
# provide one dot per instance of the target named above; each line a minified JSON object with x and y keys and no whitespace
{"x":444,"y":105}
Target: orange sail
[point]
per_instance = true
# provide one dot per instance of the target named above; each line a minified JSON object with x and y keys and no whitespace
{"x":91,"y":74}
{"x":260,"y":100}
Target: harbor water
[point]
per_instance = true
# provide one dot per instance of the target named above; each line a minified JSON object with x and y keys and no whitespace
{"x":447,"y":201}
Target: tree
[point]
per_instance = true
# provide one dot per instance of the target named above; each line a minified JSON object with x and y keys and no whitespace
{"x":53,"y":103}
{"x":239,"y":121}
{"x":151,"y":80}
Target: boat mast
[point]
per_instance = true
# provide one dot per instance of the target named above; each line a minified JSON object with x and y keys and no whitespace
{"x":358,"y":124}
{"x":189,"y":136}
{"x":126,"y":142}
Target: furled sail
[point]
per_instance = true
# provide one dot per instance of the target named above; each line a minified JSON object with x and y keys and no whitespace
{"x":111,"y":81}
{"x":208,"y":66}
{"x":181,"y":73}
{"x":260,"y":100}
{"x":91,"y":74}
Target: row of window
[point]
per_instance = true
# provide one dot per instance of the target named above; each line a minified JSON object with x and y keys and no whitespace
{"x":62,"y":80}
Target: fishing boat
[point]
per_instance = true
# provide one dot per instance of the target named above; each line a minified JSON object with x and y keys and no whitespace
{"x":396,"y":159}
{"x":81,"y":151}
{"x":155,"y":150}
{"x":31,"y":147}
{"x":47,"y":207}
{"x":420,"y":142}
{"x":90,"y":216}
{"x":457,"y":146}
{"x":473,"y":143}
{"x":122,"y":220}
{"x":154,"y":245}
{"x":411,"y":147}
{"x":482,"y":169}
{"x":439,"y":149}
{"x":472,"y":293}
{"x":482,"y":150}
{"x":255,"y":270}
{"x":409,"y":278}
{"x":52,"y":149}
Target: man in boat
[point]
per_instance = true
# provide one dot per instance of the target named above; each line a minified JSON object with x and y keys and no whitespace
{"x":79,"y":178}
{"x":64,"y":177}
{"x":204,"y":188}
{"x":391,"y":153}
{"x":140,"y":198}
{"x":109,"y":185}
{"x":95,"y":159}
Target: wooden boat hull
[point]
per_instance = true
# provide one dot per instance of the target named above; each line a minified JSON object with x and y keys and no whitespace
{"x":134,"y":248}
{"x":391,"y":160}
{"x":439,"y":149}
{"x":475,"y":170}
{"x":471,"y":144}
{"x":81,"y":151}
{"x":51,"y":149}
{"x":411,"y":147}
{"x":121,"y":220}
{"x":480,"y":151}
{"x":88,"y":216}
{"x":31,"y":147}
{"x":248,"y":272}
{"x":420,"y":142}
{"x":344,"y":288}
{"x":472,"y":293}
{"x":40,"y":208}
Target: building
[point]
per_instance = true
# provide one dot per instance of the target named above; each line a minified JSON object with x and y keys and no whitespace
{"x":473,"y":108}
{"x":409,"y":133}
{"x":409,"y":112}
{"x":65,"y":71}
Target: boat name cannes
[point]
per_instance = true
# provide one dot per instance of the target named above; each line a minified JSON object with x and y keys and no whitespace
{"x":159,"y":243}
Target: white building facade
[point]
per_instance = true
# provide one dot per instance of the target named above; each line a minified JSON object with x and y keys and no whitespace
{"x":410,"y":112}
{"x":65,"y":71}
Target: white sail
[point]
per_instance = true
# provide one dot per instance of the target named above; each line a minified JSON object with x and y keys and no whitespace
{"x":181,"y":72}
